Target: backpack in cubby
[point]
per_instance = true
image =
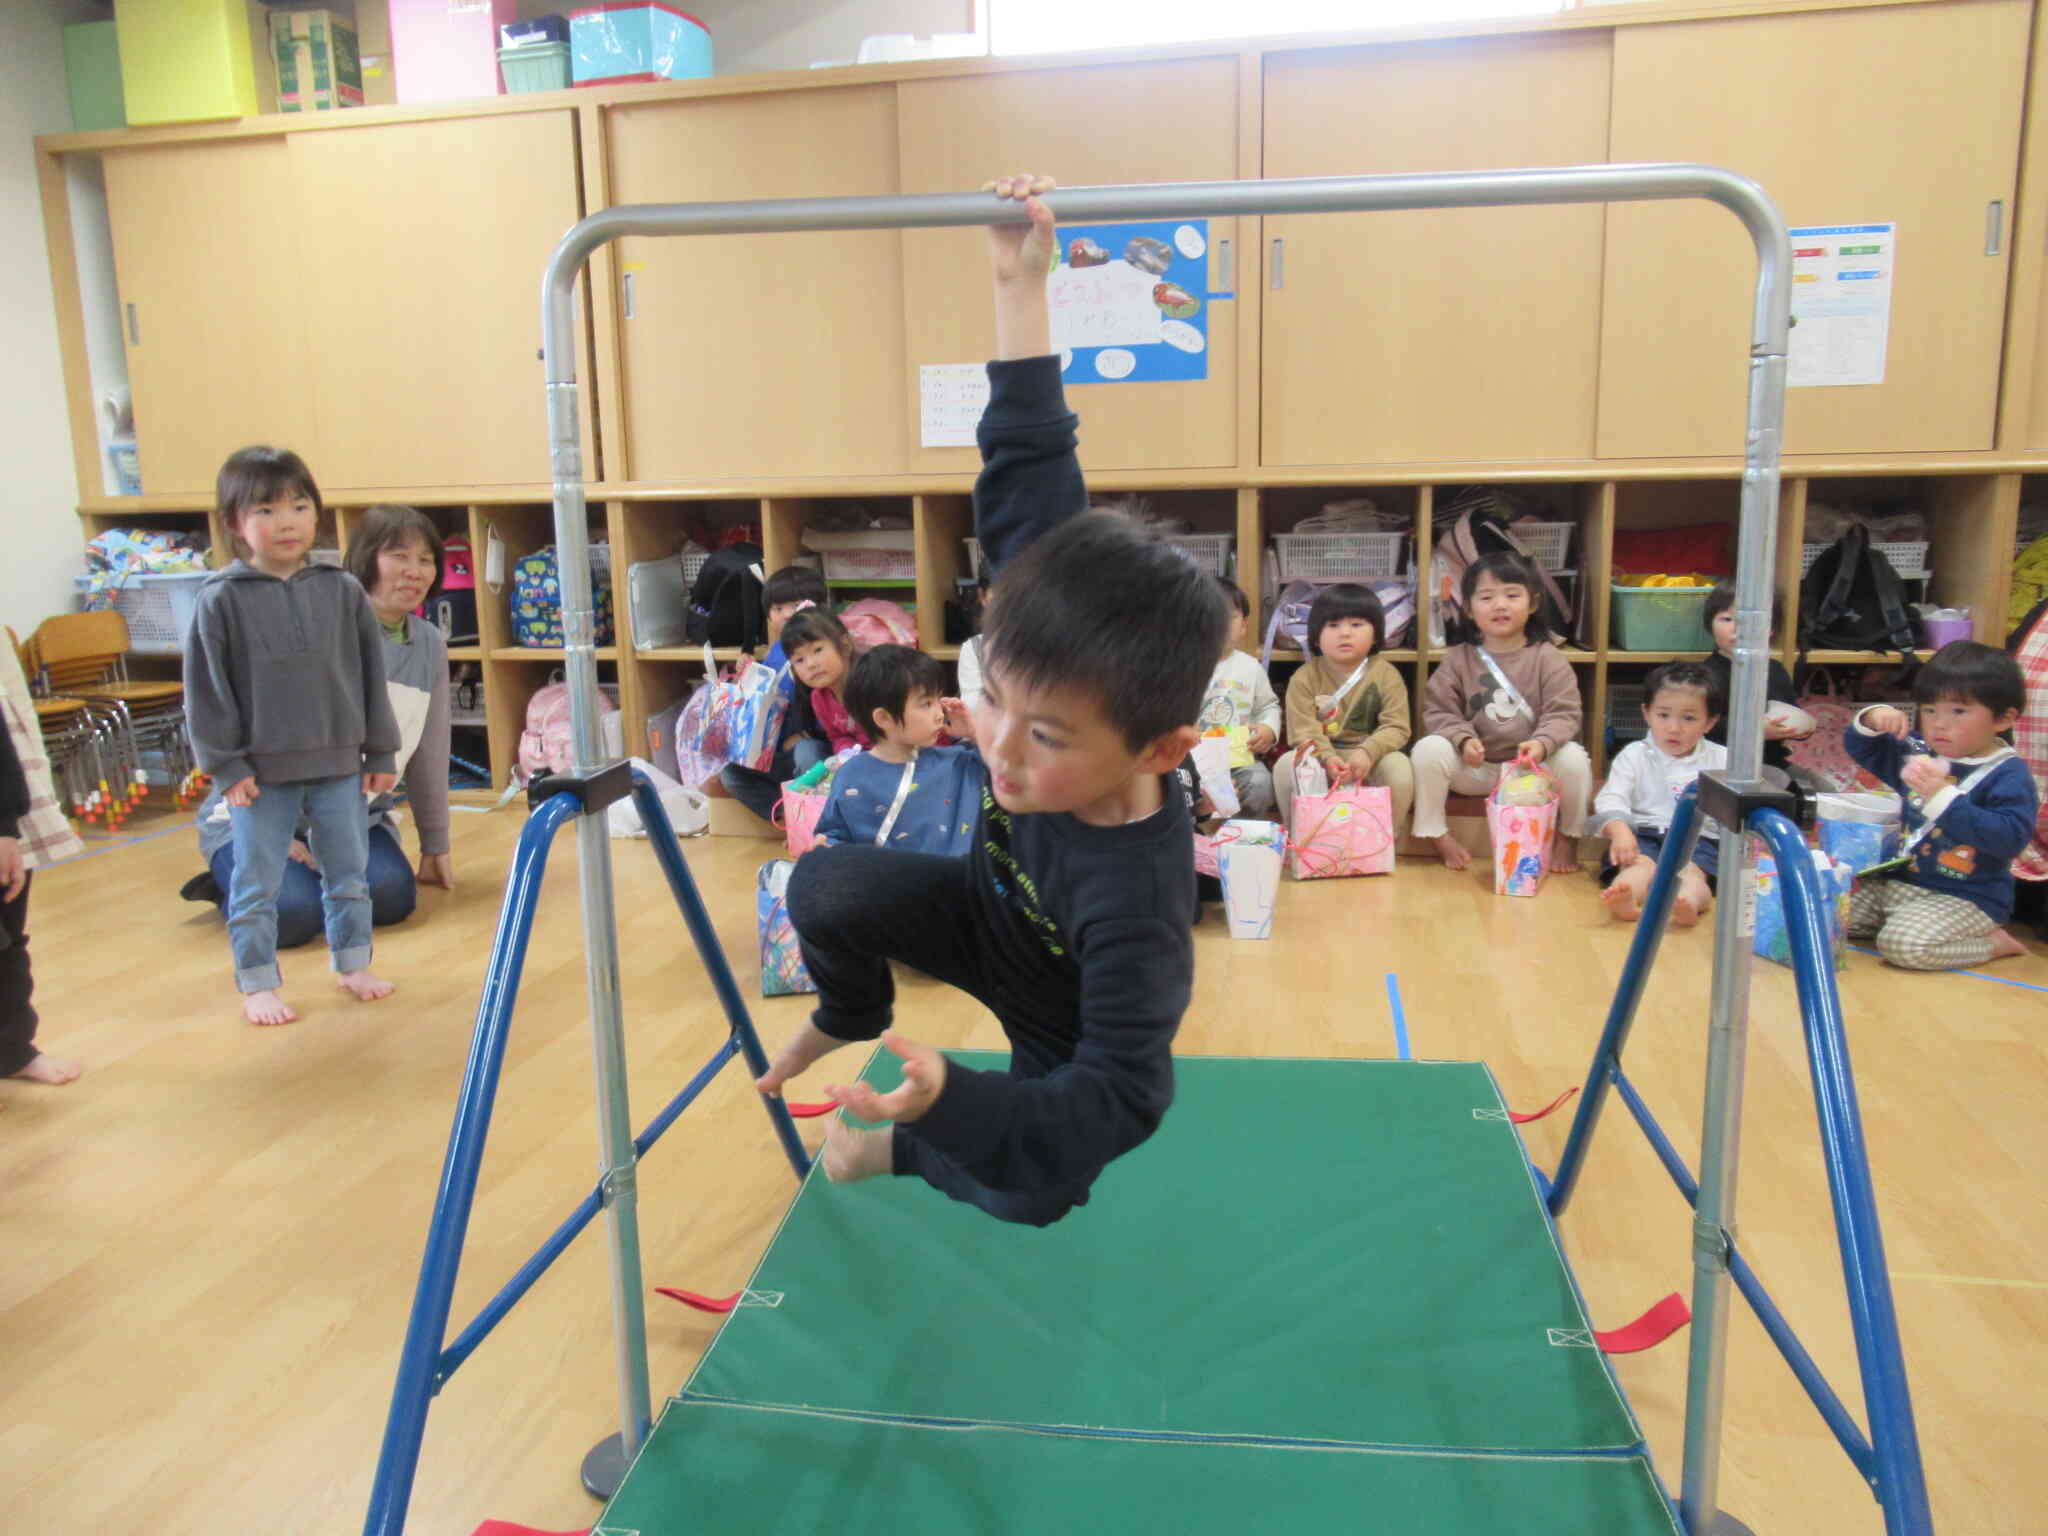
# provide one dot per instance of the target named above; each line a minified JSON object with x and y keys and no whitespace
{"x":537,"y":597}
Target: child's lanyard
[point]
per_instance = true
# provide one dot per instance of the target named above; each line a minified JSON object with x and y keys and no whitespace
{"x":1962,"y":793}
{"x":1501,"y":677}
{"x":1347,"y":685}
{"x":896,"y":805}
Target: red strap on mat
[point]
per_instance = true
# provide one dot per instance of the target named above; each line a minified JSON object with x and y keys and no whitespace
{"x":507,"y":1528}
{"x":701,"y":1303}
{"x":810,"y":1111}
{"x":1649,"y":1330}
{"x":1538,"y":1114}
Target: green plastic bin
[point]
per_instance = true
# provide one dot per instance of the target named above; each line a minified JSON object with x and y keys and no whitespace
{"x":92,"y":70}
{"x":535,"y":67}
{"x":1660,"y":619}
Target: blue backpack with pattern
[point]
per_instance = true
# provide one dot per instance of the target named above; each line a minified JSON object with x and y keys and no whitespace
{"x":537,"y":597}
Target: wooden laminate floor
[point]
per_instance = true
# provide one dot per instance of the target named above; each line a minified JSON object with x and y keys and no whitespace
{"x":208,"y":1245}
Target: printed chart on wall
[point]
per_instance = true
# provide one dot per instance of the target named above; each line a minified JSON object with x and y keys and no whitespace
{"x":1130,"y":305}
{"x":1841,"y":304}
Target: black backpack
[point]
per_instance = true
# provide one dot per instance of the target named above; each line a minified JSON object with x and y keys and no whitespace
{"x":1852,"y":600}
{"x":725,"y":599}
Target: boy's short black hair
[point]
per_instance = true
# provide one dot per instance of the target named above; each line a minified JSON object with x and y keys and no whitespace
{"x":1974,"y":673}
{"x":1101,"y":603}
{"x":252,"y":476}
{"x":1235,"y":594}
{"x":1510,"y":569}
{"x":814,"y":624}
{"x":1691,"y":676}
{"x":383,"y":528}
{"x":886,"y":677}
{"x":794,"y":584}
{"x":1346,"y":600}
{"x":1722,"y":598}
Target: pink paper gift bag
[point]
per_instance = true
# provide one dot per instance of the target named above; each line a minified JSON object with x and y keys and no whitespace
{"x":1348,"y":831}
{"x":1521,"y":840}
{"x":798,"y":813}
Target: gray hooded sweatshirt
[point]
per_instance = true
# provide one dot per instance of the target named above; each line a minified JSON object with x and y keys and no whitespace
{"x":284,"y":680}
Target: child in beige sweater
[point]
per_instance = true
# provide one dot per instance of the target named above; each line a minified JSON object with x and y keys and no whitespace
{"x":1510,"y":698}
{"x":1347,"y":706}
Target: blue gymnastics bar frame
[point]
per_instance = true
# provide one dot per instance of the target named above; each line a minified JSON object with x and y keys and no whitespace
{"x":425,"y":1365}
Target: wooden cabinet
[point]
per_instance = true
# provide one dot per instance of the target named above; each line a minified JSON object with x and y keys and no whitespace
{"x":1452,"y":334}
{"x":368,"y":296}
{"x":768,"y":355}
{"x":420,"y":294}
{"x":1100,"y":126}
{"x":207,"y":246}
{"x":1907,"y":114}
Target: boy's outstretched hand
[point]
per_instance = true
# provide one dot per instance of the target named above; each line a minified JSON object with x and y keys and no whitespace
{"x":924,"y":1079}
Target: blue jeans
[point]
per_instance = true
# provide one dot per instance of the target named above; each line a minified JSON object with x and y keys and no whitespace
{"x":336,"y":814}
{"x":759,"y":791}
{"x":394,"y":890}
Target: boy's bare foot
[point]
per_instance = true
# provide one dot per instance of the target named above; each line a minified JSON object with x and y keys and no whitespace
{"x":53,"y":1070}
{"x":2004,"y":946}
{"x":805,"y":1047}
{"x":267,"y":1008}
{"x":1622,"y":903}
{"x":364,"y":986}
{"x":853,"y":1153}
{"x":1454,"y":853}
{"x":1564,"y":855}
{"x":1685,"y":912}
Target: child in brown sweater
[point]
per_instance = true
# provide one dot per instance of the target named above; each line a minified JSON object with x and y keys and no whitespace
{"x":1510,"y":698}
{"x":1347,"y":705}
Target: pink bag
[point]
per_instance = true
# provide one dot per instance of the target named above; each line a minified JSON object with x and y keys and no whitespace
{"x":1521,"y":839}
{"x":1348,"y":831}
{"x":797,"y":813}
{"x":1822,"y":756}
{"x":877,"y":621}
{"x":546,"y":745}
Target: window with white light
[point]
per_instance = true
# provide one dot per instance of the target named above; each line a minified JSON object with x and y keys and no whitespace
{"x":1065,"y":26}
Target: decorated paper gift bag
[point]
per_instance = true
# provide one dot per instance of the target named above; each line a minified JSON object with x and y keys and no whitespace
{"x":1836,"y":880}
{"x":1212,"y":771}
{"x":1521,"y":816}
{"x":782,"y":960}
{"x":1861,"y":830}
{"x":1335,"y":832}
{"x":734,"y":719}
{"x":799,"y":811}
{"x":1248,"y":854}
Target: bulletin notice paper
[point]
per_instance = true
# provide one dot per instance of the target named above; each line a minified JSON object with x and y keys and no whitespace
{"x":1841,"y":304}
{"x":951,"y":398}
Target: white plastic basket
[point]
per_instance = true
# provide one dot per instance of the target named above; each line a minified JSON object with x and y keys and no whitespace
{"x":1339,"y":556}
{"x":158,"y":608}
{"x":1907,"y":556}
{"x":693,"y":562}
{"x":1549,"y":544}
{"x":1211,"y":551}
{"x":858,"y":565}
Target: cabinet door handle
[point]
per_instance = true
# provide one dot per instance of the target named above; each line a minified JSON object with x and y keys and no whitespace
{"x":134,"y":332}
{"x":629,"y":295}
{"x":1226,"y":277}
{"x":1994,"y":225}
{"x":1279,"y":262}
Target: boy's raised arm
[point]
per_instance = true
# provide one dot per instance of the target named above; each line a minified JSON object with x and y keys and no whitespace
{"x":1030,"y":478}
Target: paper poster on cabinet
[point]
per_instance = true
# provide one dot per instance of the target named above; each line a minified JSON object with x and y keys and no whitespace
{"x":1841,"y":304}
{"x":1130,"y":302}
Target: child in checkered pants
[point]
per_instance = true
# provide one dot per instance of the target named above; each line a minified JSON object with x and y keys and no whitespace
{"x":1969,"y":811}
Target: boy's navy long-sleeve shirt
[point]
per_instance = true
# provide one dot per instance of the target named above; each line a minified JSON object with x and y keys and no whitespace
{"x":1089,"y":957}
{"x":1976,"y":836}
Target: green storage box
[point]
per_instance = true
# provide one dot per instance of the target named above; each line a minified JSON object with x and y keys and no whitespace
{"x":1660,"y":619}
{"x":535,"y":67}
{"x":92,"y":70}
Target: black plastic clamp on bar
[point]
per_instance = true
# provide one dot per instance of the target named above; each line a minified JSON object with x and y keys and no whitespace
{"x":1729,"y":801}
{"x":612,"y":782}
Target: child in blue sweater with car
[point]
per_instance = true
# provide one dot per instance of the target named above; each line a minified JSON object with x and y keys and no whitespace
{"x":1969,"y":811}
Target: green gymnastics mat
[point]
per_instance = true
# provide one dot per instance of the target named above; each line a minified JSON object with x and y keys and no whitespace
{"x":1321,"y":1283}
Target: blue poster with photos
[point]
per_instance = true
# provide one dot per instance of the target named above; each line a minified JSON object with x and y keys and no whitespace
{"x":1130,"y":302}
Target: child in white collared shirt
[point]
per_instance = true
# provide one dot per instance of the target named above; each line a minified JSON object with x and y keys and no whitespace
{"x":1634,"y":807}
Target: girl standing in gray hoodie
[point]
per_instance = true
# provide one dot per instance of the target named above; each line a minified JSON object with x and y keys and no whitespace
{"x":285,"y":698}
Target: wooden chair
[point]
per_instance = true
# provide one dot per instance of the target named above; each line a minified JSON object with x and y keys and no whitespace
{"x":73,"y":735}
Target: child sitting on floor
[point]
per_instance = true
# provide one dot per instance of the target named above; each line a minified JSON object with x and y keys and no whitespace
{"x":1634,"y":808}
{"x":1510,"y":698}
{"x":1241,"y":698}
{"x":1784,"y":720}
{"x":1969,"y":811}
{"x":816,"y":726}
{"x":1071,"y":917}
{"x":908,"y":790}
{"x":1347,"y":705}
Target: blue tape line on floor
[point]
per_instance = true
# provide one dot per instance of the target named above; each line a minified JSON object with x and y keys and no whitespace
{"x":2003,"y":981}
{"x":1400,"y":1018}
{"x":126,"y":842}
